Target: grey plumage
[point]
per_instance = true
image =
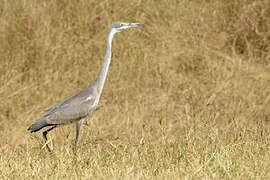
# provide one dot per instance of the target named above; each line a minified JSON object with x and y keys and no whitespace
{"x":76,"y":108}
{"x":38,"y":124}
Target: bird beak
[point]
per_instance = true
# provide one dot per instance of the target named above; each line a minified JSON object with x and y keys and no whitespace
{"x":134,"y":24}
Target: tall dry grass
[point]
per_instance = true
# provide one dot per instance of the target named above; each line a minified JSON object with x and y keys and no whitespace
{"x":195,"y":76}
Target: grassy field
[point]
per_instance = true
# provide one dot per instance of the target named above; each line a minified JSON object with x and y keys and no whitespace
{"x":187,"y":95}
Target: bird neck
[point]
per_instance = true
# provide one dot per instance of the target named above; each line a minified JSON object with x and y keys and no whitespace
{"x":105,"y":66}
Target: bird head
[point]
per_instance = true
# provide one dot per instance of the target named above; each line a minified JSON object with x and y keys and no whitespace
{"x":118,"y":26}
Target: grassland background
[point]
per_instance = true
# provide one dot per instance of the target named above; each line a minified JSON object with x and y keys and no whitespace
{"x":196,"y":76}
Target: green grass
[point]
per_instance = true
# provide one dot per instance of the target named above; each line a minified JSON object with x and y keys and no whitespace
{"x":186,"y":97}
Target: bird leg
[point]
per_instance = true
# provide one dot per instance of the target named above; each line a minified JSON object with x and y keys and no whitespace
{"x":78,"y":127}
{"x":45,"y":136}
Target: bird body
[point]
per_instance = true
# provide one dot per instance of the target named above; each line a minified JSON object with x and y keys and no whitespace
{"x":70,"y":110}
{"x":76,"y":108}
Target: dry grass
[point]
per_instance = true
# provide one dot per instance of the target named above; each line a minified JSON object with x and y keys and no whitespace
{"x":196,"y":76}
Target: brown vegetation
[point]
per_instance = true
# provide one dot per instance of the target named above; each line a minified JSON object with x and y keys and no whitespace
{"x":196,"y":76}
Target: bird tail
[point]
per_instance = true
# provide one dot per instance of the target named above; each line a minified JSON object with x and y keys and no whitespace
{"x":38,"y":124}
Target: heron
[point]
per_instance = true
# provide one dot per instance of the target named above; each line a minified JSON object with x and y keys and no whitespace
{"x":77,"y":107}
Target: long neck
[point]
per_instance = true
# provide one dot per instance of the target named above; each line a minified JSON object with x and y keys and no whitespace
{"x":105,"y":66}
